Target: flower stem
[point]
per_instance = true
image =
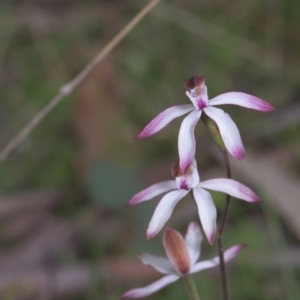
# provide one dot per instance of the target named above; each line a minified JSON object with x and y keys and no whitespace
{"x":221,"y":231}
{"x":190,"y":287}
{"x":222,"y":268}
{"x":228,"y":197}
{"x":214,"y":130}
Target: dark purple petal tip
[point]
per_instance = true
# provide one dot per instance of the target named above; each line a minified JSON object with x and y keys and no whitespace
{"x":238,"y":248}
{"x":130,"y":203}
{"x":268,"y":107}
{"x":141,"y":136}
{"x":150,"y":235}
{"x":258,"y":103}
{"x":256,"y":199}
{"x":248,"y":195}
{"x":242,"y":246}
{"x":239,"y":153}
{"x":262,"y":105}
{"x":134,"y":200}
{"x":211,"y":238}
{"x":128,"y":295}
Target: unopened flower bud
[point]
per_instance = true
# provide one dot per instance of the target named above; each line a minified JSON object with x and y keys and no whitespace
{"x":177,"y":251}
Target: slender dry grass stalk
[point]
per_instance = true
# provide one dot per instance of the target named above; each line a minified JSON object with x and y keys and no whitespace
{"x":72,"y":84}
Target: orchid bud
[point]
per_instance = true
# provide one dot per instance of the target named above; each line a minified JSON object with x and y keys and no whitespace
{"x":176,"y":251}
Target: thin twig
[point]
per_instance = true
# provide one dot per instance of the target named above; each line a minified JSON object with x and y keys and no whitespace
{"x":71,"y":85}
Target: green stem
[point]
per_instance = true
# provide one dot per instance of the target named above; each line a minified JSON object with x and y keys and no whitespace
{"x":222,"y":268}
{"x":228,"y":197}
{"x":214,"y":130}
{"x":190,"y":287}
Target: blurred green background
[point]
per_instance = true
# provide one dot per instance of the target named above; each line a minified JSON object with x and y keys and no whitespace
{"x":64,"y":230}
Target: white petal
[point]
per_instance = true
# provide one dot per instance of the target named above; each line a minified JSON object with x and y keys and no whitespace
{"x":202,"y":265}
{"x":242,"y":99}
{"x":151,"y":288}
{"x":152,"y":191}
{"x":186,"y":140}
{"x":231,"y":187}
{"x":193,"y":240}
{"x":228,"y":255}
{"x":228,"y":130}
{"x":232,"y":252}
{"x":163,"y":211}
{"x":207,"y":212}
{"x":161,"y":264}
{"x":163,"y":119}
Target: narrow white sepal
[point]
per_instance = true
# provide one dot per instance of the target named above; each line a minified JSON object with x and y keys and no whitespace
{"x":203,"y":265}
{"x":161,"y":264}
{"x":242,"y":99}
{"x":163,"y":211}
{"x":231,"y":187}
{"x":229,"y":254}
{"x":186,"y":140}
{"x":151,"y":288}
{"x":207,"y":212}
{"x":163,"y":119}
{"x":228,"y":130}
{"x":193,"y":240}
{"x":152,"y":191}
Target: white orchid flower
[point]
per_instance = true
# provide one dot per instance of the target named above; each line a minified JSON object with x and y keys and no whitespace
{"x":182,"y":256}
{"x":197,"y":92}
{"x":184,"y":183}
